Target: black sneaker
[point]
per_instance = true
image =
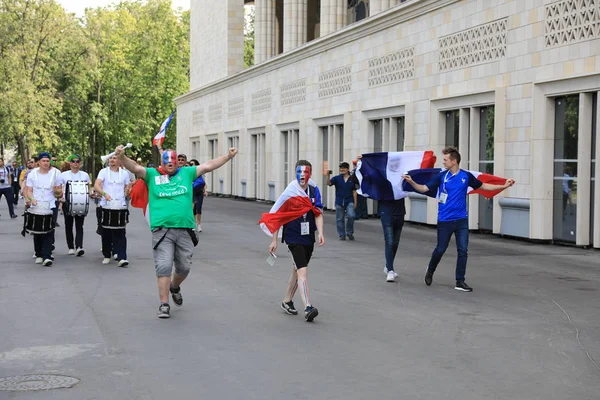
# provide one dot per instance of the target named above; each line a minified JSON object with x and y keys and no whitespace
{"x":310,"y":313}
{"x":342,"y":237}
{"x":428,"y":277}
{"x":289,"y":308}
{"x":164,"y":311}
{"x":351,"y":237}
{"x":176,"y":295}
{"x":463,"y":287}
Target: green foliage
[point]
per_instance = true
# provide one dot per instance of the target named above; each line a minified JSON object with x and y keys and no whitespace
{"x":249,"y":38}
{"x":88,"y":85}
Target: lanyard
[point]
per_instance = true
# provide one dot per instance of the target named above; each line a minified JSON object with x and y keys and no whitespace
{"x":446,"y":179}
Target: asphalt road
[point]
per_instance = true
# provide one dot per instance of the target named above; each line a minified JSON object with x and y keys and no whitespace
{"x":529,"y":330}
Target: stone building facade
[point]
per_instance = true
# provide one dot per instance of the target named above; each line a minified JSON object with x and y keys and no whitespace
{"x":512,"y":83}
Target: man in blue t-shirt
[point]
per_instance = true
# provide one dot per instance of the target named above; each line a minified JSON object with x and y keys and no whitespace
{"x":345,"y":201}
{"x":299,"y":235}
{"x":452,"y":186}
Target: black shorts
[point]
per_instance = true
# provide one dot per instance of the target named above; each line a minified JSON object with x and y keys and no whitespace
{"x":301,"y":254}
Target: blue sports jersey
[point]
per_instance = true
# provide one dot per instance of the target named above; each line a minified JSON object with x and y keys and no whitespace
{"x":455,"y":186}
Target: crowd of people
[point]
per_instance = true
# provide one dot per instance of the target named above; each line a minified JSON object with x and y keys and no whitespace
{"x":172,"y":196}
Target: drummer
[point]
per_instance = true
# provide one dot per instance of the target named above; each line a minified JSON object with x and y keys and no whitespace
{"x":41,"y":190}
{"x":75,"y":174}
{"x":113,"y":184}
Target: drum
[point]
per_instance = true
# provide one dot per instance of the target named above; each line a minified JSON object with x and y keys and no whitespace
{"x":77,"y":199}
{"x":38,"y":224}
{"x":114,"y":218}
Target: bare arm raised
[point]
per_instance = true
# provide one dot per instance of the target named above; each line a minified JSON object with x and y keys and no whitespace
{"x":129,"y":164}
{"x":216,"y":163}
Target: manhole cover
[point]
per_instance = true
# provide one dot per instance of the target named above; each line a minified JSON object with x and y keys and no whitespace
{"x":27,"y":383}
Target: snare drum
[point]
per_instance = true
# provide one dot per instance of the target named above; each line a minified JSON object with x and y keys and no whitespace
{"x":114,"y":218}
{"x":38,"y":224}
{"x":77,"y":199}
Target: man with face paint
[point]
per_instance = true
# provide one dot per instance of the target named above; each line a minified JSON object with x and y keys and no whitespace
{"x":299,"y":235}
{"x":170,"y":196}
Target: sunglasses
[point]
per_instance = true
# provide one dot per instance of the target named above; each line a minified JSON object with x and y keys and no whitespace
{"x":76,"y":161}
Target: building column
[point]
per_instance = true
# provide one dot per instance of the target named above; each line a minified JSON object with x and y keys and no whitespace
{"x":596,"y":183}
{"x":294,"y":23}
{"x":332,"y":16}
{"x":377,"y":6}
{"x":584,"y":171}
{"x":264,"y":36}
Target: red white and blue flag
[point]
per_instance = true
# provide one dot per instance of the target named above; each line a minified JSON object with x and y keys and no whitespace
{"x":293,"y":203}
{"x":422,"y":176}
{"x":380,"y":174}
{"x":159,"y":139}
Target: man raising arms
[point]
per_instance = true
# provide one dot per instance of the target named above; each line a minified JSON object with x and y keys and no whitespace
{"x":171,"y":218}
{"x":452,"y":186}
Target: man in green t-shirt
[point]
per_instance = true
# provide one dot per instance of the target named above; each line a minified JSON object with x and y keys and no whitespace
{"x":170,"y":197}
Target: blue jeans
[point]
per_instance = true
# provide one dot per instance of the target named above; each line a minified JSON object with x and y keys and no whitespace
{"x":392,"y":228}
{"x":345,"y":226}
{"x":460,"y":228}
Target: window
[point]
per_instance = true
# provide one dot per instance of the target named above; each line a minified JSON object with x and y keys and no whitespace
{"x":233,"y":141}
{"x":566,"y":125}
{"x":258,"y":161}
{"x":452,"y":127}
{"x":486,"y":163}
{"x":291,"y":153}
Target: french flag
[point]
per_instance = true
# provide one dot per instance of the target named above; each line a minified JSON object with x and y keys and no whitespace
{"x":293,"y":203}
{"x":159,"y":139}
{"x":380,"y":174}
{"x":422,"y":176}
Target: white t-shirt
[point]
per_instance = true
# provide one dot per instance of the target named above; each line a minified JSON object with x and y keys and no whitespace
{"x":5,"y":175}
{"x":43,"y":187}
{"x":69,"y":176}
{"x":114,"y":184}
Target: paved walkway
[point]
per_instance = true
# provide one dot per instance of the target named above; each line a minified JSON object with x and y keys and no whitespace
{"x":530,"y":329}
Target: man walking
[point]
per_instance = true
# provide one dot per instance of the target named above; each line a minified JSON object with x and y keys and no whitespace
{"x":16,"y":188}
{"x":172,"y":222}
{"x":6,"y":178}
{"x":299,"y":235}
{"x":452,"y":185}
{"x":75,"y":175}
{"x":41,"y":190}
{"x":345,"y":200}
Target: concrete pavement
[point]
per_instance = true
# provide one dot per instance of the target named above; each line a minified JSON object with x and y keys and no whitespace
{"x":530,"y":329}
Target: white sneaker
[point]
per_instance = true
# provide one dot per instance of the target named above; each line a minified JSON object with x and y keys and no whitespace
{"x":116,"y":256}
{"x":123,"y":263}
{"x":71,"y":252}
{"x":47,"y":262}
{"x":80,"y":252}
{"x":391,"y":276}
{"x":39,"y":260}
{"x":106,"y":261}
{"x":199,"y":228}
{"x":33,"y":256}
{"x":385,"y":271}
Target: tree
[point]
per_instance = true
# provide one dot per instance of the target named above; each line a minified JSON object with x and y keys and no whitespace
{"x":249,"y":18}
